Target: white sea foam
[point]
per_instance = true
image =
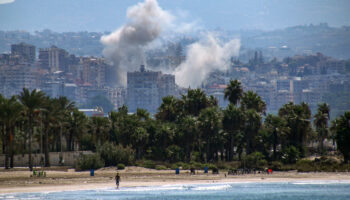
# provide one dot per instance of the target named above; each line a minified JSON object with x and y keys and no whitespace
{"x":215,"y":187}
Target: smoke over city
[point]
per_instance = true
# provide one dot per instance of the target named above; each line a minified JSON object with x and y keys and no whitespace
{"x":145,"y":23}
{"x":124,"y":47}
{"x":204,"y":57}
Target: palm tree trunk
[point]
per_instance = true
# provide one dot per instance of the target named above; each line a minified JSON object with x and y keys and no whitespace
{"x":11,"y":147}
{"x":274,"y":144}
{"x":46,"y":149}
{"x":30,"y":163}
{"x":6,"y":142}
{"x":231,"y":148}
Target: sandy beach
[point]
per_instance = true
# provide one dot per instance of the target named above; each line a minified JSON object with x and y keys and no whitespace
{"x":20,"y":180}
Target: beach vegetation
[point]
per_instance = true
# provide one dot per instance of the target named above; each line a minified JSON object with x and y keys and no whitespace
{"x":88,"y":162}
{"x":190,"y":131}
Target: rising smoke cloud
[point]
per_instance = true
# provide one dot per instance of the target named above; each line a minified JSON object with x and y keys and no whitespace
{"x":204,"y":57}
{"x":124,"y":47}
{"x":145,"y":23}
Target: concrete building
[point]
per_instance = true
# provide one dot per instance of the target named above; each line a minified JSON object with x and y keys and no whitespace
{"x":94,"y":71}
{"x":14,"y":78}
{"x":145,"y":89}
{"x":26,"y":51}
{"x":280,"y":98}
{"x":54,"y":58}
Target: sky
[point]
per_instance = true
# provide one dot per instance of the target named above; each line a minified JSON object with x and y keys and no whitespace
{"x":108,"y":15}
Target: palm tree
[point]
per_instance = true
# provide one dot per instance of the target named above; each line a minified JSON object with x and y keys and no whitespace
{"x":277,"y":127}
{"x":143,"y":114}
{"x":188,"y":135}
{"x":10,"y":111}
{"x":139,"y":140}
{"x":321,"y":123}
{"x":32,"y":102}
{"x":76,"y":123}
{"x":342,"y":130}
{"x":209,"y":126}
{"x":169,"y":109}
{"x":233,"y":122}
{"x":195,"y":101}
{"x":234,"y":92}
{"x":66,"y":108}
{"x":251,"y":129}
{"x":252,"y":100}
{"x":99,"y":127}
{"x":298,"y":121}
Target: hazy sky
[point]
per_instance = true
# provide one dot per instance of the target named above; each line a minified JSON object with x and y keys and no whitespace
{"x":107,"y":15}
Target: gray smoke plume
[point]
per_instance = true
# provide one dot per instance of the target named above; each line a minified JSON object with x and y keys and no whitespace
{"x":204,"y":57}
{"x":124,"y":47}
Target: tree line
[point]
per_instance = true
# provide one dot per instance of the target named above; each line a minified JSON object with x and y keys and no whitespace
{"x":190,"y":128}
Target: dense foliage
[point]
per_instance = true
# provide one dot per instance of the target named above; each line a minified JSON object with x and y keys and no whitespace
{"x":191,"y":129}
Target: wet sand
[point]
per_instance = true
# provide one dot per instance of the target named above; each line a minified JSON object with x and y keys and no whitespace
{"x":20,"y":180}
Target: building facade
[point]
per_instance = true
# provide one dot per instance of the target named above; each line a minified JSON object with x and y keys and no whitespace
{"x":145,"y":89}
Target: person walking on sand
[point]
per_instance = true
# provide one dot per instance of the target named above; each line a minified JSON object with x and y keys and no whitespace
{"x":117,"y":180}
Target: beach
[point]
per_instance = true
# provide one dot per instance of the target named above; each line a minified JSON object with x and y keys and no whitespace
{"x":19,"y":180}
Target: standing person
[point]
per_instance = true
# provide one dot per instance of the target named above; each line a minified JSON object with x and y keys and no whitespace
{"x":117,"y":180}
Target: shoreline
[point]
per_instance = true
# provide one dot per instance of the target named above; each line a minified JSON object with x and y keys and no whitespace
{"x":57,"y":181}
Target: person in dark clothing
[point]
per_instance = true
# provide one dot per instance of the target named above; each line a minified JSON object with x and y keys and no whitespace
{"x":117,"y":180}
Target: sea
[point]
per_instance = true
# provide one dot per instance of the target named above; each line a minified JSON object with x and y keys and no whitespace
{"x":303,"y":190}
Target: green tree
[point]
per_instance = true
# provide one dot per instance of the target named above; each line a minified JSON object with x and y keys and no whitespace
{"x":10,"y":111}
{"x":76,"y":123}
{"x":298,"y":121}
{"x":188,"y":135}
{"x":277,"y":128}
{"x":233,"y":122}
{"x":99,"y":127}
{"x":32,"y":103}
{"x":49,"y":120}
{"x":251,"y":129}
{"x":234,"y":92}
{"x":342,"y":137}
{"x":169,"y":110}
{"x":195,"y":101}
{"x":209,"y":126}
{"x":321,"y":123}
{"x":139,"y":140}
{"x":252,"y":100}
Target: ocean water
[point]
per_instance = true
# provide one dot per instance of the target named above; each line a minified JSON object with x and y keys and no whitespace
{"x":311,"y":190}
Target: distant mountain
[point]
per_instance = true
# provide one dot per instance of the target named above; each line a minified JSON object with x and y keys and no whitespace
{"x":306,"y":39}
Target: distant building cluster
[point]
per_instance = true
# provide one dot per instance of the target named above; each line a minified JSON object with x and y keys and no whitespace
{"x":299,"y":79}
{"x":145,"y":89}
{"x":306,"y":78}
{"x":58,"y":73}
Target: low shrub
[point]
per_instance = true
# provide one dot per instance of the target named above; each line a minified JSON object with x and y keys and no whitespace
{"x":211,"y":166}
{"x":196,"y":165}
{"x":290,"y":155}
{"x":306,"y":166}
{"x":254,"y":160}
{"x":120,"y":166}
{"x":88,"y":162}
{"x":161,"y":167}
{"x":276,"y":165}
{"x":116,"y":154}
{"x":148,"y":164}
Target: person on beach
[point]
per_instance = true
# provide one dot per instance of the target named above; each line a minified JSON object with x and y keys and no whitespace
{"x":117,"y":180}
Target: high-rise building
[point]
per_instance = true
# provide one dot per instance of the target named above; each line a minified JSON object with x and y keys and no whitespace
{"x":26,"y":51}
{"x":54,"y":58}
{"x":145,"y":89}
{"x":14,"y":78}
